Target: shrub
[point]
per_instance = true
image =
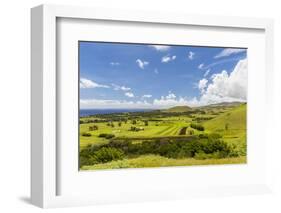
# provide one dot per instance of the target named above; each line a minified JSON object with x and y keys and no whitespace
{"x":197,"y":126}
{"x":203,"y":147}
{"x":136,"y":129}
{"x":191,"y":132}
{"x":106,"y":135}
{"x":226,"y":126}
{"x":92,"y":128}
{"x":183,"y":131}
{"x":106,"y":154}
{"x":214,"y":145}
{"x":86,"y":134}
{"x":87,"y":160}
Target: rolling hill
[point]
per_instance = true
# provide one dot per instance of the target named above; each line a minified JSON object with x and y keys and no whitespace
{"x":234,"y":119}
{"x":178,"y":109}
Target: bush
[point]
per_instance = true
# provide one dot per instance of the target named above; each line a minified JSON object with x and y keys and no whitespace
{"x":106,"y":135}
{"x":197,"y":126}
{"x":86,"y":134}
{"x":191,"y":132}
{"x":100,"y":155}
{"x":86,"y":160}
{"x":136,"y":129}
{"x":93,"y":128}
{"x":183,"y":131}
{"x":226,"y":126}
{"x":105,"y":155}
{"x":203,"y":147}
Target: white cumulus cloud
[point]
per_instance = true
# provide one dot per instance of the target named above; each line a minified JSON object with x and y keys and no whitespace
{"x":114,"y":63}
{"x":171,"y":95}
{"x":169,"y":101}
{"x":147,"y":96}
{"x":130,"y":94}
{"x":229,"y":51}
{"x":191,"y":55}
{"x":86,"y":84}
{"x":202,"y":85}
{"x":167,"y":58}
{"x":201,"y":66}
{"x":123,"y":88}
{"x":141,"y":63}
{"x":161,"y":48}
{"x":226,"y":87}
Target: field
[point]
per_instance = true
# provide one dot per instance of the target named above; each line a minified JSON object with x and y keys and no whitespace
{"x":179,"y":136}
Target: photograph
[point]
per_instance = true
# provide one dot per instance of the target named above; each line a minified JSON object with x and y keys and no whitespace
{"x":161,"y":105}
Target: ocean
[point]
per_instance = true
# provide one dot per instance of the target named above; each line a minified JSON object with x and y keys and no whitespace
{"x":87,"y":112}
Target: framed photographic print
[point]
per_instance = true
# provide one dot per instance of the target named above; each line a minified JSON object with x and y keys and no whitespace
{"x":148,"y":105}
{"x":189,"y":110}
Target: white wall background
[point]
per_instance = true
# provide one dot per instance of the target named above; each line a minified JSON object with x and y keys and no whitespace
{"x":15,"y":103}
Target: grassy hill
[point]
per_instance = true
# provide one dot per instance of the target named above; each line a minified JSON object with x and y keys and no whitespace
{"x":234,"y":119}
{"x":223,"y":104}
{"x":178,"y":109}
{"x":232,"y":125}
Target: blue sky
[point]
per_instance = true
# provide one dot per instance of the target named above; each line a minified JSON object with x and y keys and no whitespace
{"x":116,"y":75}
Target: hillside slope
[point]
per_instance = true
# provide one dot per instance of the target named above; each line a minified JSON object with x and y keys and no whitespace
{"x":234,"y":119}
{"x":232,"y":125}
{"x":178,"y":109}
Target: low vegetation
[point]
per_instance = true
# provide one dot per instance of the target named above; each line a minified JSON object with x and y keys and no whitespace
{"x":198,"y":147}
{"x":197,"y":126}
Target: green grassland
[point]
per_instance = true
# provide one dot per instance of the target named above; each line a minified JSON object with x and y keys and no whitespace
{"x":222,"y":124}
{"x":148,"y":161}
{"x":235,"y":121}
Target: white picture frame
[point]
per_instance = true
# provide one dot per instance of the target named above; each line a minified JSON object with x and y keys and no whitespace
{"x":44,"y":135}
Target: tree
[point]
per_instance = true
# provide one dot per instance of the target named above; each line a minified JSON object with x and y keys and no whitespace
{"x":92,"y":128}
{"x":226,"y":126}
{"x":191,"y":132}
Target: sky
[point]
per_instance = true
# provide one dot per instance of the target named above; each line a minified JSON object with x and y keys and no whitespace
{"x":144,"y":76}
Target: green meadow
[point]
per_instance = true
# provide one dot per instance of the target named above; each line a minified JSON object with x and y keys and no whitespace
{"x":179,"y":136}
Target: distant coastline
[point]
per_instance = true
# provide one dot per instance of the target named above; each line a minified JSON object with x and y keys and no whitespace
{"x":88,"y":112}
